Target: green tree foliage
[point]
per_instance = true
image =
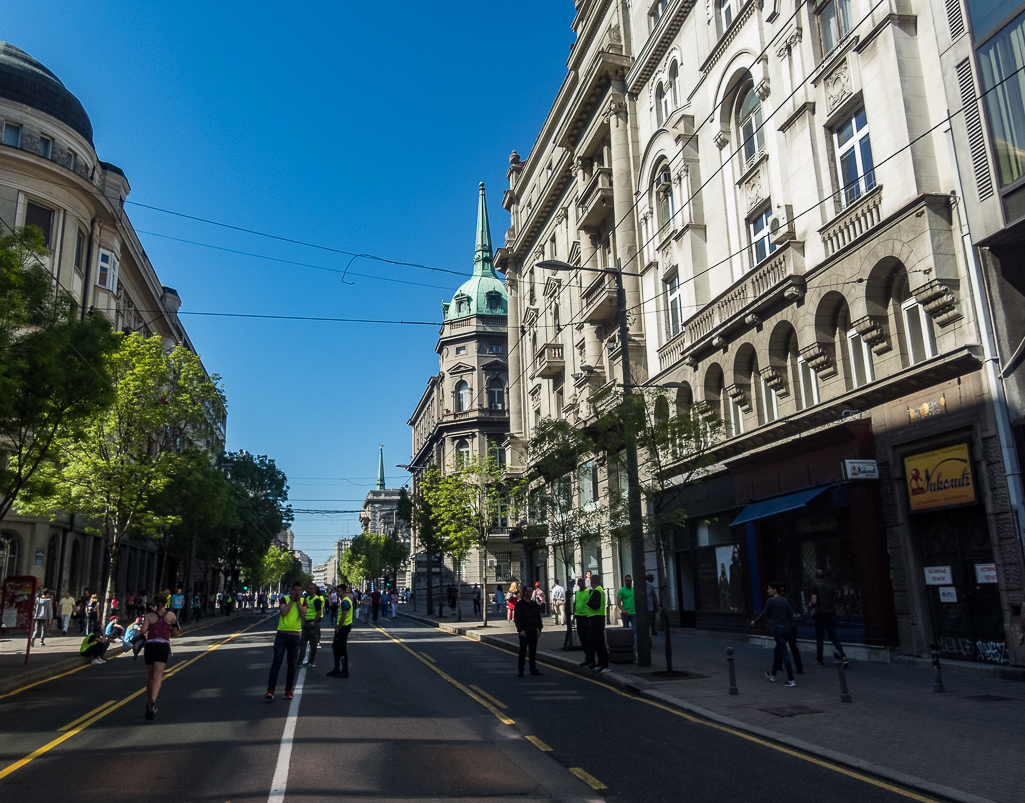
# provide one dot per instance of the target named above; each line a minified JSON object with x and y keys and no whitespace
{"x":115,"y":462}
{"x":417,"y":513}
{"x":274,"y":565}
{"x":53,"y":365}
{"x":364,"y":561}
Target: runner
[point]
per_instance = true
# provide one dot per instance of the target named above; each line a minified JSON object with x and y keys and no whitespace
{"x":159,"y":627}
{"x":292,"y":612}
{"x":340,"y":645}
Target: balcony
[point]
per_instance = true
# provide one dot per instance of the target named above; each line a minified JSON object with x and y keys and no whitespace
{"x":478,"y":412}
{"x":596,"y":200}
{"x":549,"y":361}
{"x":861,"y":216}
{"x":598,"y":300}
{"x":671,"y":352}
{"x":778,"y":278}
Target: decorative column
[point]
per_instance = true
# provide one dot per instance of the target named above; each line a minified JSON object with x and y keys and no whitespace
{"x":623,"y":198}
{"x":515,"y":328}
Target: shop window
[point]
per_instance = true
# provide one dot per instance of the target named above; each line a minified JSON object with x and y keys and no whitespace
{"x":749,"y":125}
{"x":854,"y":164}
{"x":761,"y":240}
{"x":674,"y":307}
{"x":918,"y":331}
{"x":462,"y":396}
{"x":12,"y":135}
{"x":1002,"y":64}
{"x":862,"y":371}
{"x":719,"y":567}
{"x":41,"y":218}
{"x":834,"y":22}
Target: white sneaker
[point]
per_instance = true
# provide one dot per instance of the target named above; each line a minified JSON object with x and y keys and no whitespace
{"x":98,"y":661}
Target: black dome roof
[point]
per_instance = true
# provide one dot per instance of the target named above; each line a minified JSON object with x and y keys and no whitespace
{"x":24,"y":80}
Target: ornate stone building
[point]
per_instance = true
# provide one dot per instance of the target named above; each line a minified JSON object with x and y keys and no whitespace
{"x":775,"y":182}
{"x":51,"y":177}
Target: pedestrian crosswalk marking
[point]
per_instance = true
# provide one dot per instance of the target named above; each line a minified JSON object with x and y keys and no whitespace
{"x":481,"y":691}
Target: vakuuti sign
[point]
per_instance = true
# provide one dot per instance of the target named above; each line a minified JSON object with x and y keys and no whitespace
{"x":940,"y":478}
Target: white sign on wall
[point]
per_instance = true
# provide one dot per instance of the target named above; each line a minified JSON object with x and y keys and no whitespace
{"x":938,"y":576}
{"x":860,"y":469}
{"x":948,"y":594}
{"x":985,"y":573}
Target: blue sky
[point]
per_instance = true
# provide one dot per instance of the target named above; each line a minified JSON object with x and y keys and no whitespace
{"x":364,"y":127}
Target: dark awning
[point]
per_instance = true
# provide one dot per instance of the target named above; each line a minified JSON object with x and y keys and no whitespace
{"x":781,"y":504}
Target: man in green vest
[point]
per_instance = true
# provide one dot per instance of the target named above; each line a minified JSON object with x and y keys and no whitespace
{"x":311,"y":626}
{"x":292,"y":612}
{"x":596,"y":624}
{"x":340,"y":645}
{"x":582,"y":620}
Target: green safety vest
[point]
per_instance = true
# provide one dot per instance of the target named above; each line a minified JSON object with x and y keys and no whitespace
{"x":580,"y":602}
{"x":290,"y":621}
{"x":601,"y":610}
{"x":311,"y":610}
{"x":347,"y":621}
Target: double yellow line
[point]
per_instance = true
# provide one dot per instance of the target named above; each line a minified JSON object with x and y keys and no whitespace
{"x":94,"y":716}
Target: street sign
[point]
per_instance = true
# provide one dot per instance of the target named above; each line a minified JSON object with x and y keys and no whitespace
{"x":860,"y":470}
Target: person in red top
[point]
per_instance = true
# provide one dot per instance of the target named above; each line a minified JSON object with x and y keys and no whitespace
{"x":159,"y":627}
{"x":375,"y":602}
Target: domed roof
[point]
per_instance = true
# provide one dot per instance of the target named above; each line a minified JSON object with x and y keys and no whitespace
{"x":483,"y":293}
{"x":24,"y":80}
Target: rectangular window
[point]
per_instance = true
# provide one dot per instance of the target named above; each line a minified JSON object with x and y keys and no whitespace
{"x":736,"y":417}
{"x":1002,"y":64}
{"x":503,"y":565}
{"x":588,"y":485}
{"x":809,"y":384}
{"x":106,"y":276}
{"x":770,"y":403}
{"x":861,"y":359}
{"x":12,"y":135}
{"x":45,"y":147}
{"x":41,"y":218}
{"x":854,"y":158}
{"x":495,"y":348}
{"x":674,"y":307}
{"x":761,"y":242}
{"x":834,"y":23}
{"x":79,"y":248}
{"x":921,"y":341}
{"x":72,"y":160}
{"x":460,"y":349}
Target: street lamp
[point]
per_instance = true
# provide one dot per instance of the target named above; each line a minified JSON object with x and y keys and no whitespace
{"x":630,"y":439}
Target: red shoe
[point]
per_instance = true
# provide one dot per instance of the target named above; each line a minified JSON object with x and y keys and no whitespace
{"x":270,"y":694}
{"x":288,"y":695}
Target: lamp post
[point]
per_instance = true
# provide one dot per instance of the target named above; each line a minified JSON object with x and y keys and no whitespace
{"x":630,"y":440}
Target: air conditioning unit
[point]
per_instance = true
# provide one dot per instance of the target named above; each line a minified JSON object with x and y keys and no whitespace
{"x":496,"y":406}
{"x":663,"y":182}
{"x":492,"y":563}
{"x":781,"y":225}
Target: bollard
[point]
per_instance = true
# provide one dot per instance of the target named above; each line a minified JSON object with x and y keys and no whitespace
{"x":733,"y":671}
{"x":937,"y":683}
{"x":845,"y":694}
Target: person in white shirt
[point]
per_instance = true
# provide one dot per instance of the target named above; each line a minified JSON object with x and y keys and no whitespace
{"x":559,"y":603}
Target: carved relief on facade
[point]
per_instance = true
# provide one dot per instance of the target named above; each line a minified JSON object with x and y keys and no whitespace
{"x":740,"y":396}
{"x":939,"y":301}
{"x":754,"y":191}
{"x":874,"y":333}
{"x":819,"y":359}
{"x":721,"y":139}
{"x":838,"y":85}
{"x":776,"y":380}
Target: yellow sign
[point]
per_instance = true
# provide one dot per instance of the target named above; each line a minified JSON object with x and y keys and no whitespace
{"x":941,"y":478}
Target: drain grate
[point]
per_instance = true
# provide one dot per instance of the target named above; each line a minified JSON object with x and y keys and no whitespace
{"x":792,"y":711}
{"x":987,"y":698}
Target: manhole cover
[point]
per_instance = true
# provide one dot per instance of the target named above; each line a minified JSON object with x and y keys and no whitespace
{"x":987,"y":698}
{"x":792,"y":711}
{"x":676,"y":674}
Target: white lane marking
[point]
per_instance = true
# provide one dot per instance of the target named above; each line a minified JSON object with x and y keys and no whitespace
{"x":279,"y":785}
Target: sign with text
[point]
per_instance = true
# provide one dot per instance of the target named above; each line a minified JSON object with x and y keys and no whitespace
{"x":938,"y":576}
{"x":985,"y":573}
{"x":860,"y":469}
{"x":948,"y":594}
{"x":18,"y":601}
{"x":940,"y":478}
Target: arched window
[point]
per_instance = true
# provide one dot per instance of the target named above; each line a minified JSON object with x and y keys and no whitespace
{"x":462,"y":453}
{"x":674,"y":85}
{"x":660,"y":97}
{"x":749,"y":125}
{"x":8,"y":555}
{"x":462,"y":396}
{"x":496,"y":394}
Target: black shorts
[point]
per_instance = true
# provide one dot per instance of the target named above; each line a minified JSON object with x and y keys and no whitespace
{"x":156,"y":652}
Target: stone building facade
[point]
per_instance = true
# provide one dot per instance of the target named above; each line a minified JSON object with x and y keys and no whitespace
{"x":51,"y":177}
{"x":777,"y":186}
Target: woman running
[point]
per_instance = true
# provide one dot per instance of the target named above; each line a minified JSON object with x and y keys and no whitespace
{"x":159,"y":628}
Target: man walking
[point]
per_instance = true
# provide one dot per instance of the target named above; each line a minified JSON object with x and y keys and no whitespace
{"x":291,"y":613}
{"x":581,"y":617}
{"x":340,"y":644}
{"x":83,"y":610}
{"x":311,"y":625}
{"x":823,"y":601}
{"x":559,"y":604}
{"x":527,"y":619}
{"x":333,"y":602}
{"x":596,"y":624}
{"x":476,"y":600}
{"x":375,"y":603}
{"x":67,"y":605}
{"x":177,"y":603}
{"x":43,"y":615}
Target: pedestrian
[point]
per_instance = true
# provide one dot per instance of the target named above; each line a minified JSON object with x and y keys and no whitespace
{"x":625,"y":601}
{"x":580,"y":617}
{"x":113,"y":631}
{"x":366,"y":605}
{"x":652,"y":599}
{"x":538,"y":597}
{"x":83,"y":610}
{"x":311,"y":625}
{"x":343,"y":626}
{"x":499,"y":600}
{"x":510,"y":604}
{"x":393,"y":598}
{"x":476,"y":600}
{"x":41,"y":617}
{"x":158,"y":628}
{"x":332,"y":606}
{"x":93,"y":613}
{"x":823,"y":603}
{"x":559,"y":603}
{"x":291,"y":614}
{"x":375,"y":603}
{"x":67,"y":607}
{"x":453,"y":596}
{"x":527,"y":618}
{"x":780,"y":615}
{"x":133,"y":638}
{"x":596,"y":624}
{"x":177,"y":603}
{"x":197,"y":607}
{"x":792,"y":639}
{"x":94,"y":645}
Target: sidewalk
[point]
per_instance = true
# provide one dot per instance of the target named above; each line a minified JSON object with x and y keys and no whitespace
{"x":964,"y":744}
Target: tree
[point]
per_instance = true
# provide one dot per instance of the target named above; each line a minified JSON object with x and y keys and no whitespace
{"x":120,"y":457}
{"x":394,"y":553}
{"x":273,"y":567}
{"x":417,"y":513}
{"x":53,"y":365}
{"x":466,"y":503}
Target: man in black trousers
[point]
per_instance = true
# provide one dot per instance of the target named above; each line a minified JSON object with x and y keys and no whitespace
{"x":527,"y":618}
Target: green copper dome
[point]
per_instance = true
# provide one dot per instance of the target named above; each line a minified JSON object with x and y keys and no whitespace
{"x":483,"y":293}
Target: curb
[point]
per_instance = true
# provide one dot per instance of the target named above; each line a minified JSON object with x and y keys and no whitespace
{"x":612,"y":679}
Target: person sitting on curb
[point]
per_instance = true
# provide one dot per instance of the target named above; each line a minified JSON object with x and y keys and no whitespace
{"x":93,"y":647}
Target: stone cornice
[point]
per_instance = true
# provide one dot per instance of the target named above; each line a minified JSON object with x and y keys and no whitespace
{"x":658,"y":44}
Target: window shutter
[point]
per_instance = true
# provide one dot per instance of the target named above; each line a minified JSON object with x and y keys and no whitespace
{"x":955,"y":18}
{"x":976,"y":137}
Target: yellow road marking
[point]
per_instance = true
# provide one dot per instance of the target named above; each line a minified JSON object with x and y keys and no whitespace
{"x":483,"y":693}
{"x":539,"y":744}
{"x":70,"y":725}
{"x":472,"y":695}
{"x":726,"y":729}
{"x":587,"y":778}
{"x":425,"y":655}
{"x":73,"y":728}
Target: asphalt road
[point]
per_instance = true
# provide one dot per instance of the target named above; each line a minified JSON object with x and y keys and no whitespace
{"x":424,"y":716}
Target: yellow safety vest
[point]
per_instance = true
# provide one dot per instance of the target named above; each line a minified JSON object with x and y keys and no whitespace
{"x":290,"y":621}
{"x":601,"y":609}
{"x":580,"y":602}
{"x":348,"y":614}
{"x":311,"y":610}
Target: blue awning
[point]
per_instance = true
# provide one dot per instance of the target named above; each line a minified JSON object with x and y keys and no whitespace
{"x":781,"y":504}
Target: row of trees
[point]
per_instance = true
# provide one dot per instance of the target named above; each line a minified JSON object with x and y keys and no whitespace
{"x":372,"y":555}
{"x":123,"y":431}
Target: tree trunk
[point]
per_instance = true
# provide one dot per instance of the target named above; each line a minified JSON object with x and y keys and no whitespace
{"x":459,"y":592}
{"x":429,"y":598}
{"x":484,"y":587}
{"x":189,"y":578}
{"x":660,"y":567}
{"x":114,"y":553}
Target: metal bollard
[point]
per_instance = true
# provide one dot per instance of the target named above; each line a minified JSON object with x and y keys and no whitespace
{"x":937,"y":682}
{"x":733,"y":671}
{"x":845,"y":694}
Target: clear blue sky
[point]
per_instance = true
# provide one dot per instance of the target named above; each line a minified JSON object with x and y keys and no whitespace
{"x":365,"y":127}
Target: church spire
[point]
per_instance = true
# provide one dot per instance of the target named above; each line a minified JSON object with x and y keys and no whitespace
{"x":380,"y":469}
{"x":482,"y":254}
